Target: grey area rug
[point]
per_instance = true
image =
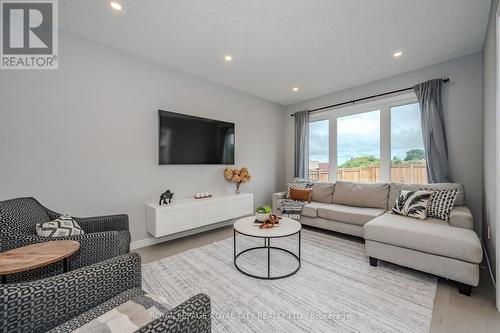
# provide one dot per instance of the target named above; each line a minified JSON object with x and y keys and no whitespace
{"x":335,"y":290}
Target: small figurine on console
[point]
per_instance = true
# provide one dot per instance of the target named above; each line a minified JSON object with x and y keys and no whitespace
{"x":166,"y":195}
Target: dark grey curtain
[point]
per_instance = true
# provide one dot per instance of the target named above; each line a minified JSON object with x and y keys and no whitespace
{"x":433,"y":131}
{"x":301,"y":144}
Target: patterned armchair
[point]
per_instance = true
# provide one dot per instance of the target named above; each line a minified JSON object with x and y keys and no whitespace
{"x":105,"y":236}
{"x":65,"y":302}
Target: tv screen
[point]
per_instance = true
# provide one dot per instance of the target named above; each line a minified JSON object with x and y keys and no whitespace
{"x":187,"y":139}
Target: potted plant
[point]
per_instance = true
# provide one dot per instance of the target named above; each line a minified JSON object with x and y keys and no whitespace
{"x":263,"y":213}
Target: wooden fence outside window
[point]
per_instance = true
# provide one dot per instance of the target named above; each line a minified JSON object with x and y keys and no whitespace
{"x":410,"y":173}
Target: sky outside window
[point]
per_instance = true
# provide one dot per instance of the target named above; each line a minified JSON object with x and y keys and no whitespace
{"x":318,"y":141}
{"x":406,"y":131}
{"x":358,"y":135}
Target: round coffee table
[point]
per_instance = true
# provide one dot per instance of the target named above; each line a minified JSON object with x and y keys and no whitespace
{"x":247,"y":227}
{"x":36,"y":255}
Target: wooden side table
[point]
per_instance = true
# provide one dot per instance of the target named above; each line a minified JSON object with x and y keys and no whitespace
{"x":36,"y":255}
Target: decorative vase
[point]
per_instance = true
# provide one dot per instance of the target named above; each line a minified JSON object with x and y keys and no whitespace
{"x":261,"y":217}
{"x":238,"y":188}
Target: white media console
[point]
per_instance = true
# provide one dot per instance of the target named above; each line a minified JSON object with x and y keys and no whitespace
{"x":187,"y":214}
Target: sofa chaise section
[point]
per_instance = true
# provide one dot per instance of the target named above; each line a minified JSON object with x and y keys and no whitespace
{"x":432,"y":246}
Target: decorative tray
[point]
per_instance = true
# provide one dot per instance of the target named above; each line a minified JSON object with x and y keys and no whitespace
{"x":209,"y":196}
{"x":259,"y":222}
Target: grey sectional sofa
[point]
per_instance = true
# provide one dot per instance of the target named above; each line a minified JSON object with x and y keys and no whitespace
{"x":450,"y":250}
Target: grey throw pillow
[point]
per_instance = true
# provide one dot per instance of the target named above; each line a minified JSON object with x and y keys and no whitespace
{"x":64,"y":225}
{"x":412,"y":203}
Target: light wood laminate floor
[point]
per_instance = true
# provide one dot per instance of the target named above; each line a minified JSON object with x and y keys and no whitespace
{"x":453,"y":313}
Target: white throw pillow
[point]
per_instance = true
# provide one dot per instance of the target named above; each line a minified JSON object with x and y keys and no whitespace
{"x":412,"y":203}
{"x":442,"y":203}
{"x":64,"y":225}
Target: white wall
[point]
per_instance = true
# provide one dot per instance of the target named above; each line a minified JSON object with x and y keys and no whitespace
{"x":491,"y":120}
{"x":463,"y":105}
{"x":83,"y":139}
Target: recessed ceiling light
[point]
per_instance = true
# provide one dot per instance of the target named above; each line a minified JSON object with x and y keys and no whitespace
{"x":397,"y":54}
{"x":295,"y":88}
{"x":115,"y":5}
{"x":228,"y":58}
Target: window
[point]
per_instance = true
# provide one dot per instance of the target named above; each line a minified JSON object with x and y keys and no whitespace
{"x":377,"y":141}
{"x":358,"y":147}
{"x":319,"y":155}
{"x":407,"y":149}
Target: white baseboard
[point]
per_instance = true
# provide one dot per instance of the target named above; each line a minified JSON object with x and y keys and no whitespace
{"x":152,"y":240}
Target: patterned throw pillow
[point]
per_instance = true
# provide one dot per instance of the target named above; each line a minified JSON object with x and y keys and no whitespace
{"x":298,"y":185}
{"x":442,"y":203}
{"x":412,"y":203}
{"x":64,"y":225}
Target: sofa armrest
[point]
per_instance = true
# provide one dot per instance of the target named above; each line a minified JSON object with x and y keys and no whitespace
{"x":277,"y":197}
{"x":461,"y":217}
{"x":194,"y":315}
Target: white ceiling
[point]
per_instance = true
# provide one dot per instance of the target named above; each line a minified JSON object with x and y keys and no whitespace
{"x":321,"y":46}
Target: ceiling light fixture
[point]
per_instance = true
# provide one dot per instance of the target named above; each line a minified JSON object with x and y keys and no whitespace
{"x":295,"y":89}
{"x":115,"y":5}
{"x":228,"y":58}
{"x":397,"y":54}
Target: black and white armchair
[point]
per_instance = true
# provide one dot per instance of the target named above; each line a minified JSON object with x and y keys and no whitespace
{"x":104,"y":237}
{"x":65,"y":302}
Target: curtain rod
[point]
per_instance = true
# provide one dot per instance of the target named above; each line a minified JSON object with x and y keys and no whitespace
{"x":446,"y":80}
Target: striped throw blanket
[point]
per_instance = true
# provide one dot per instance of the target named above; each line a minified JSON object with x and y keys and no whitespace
{"x":292,"y":208}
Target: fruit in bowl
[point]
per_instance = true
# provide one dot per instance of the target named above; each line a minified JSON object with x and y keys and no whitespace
{"x":262,"y":213}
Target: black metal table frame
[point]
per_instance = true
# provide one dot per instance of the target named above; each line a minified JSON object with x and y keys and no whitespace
{"x":267,"y":245}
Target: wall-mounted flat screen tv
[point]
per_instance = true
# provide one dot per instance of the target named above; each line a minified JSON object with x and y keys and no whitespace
{"x":185,"y":139}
